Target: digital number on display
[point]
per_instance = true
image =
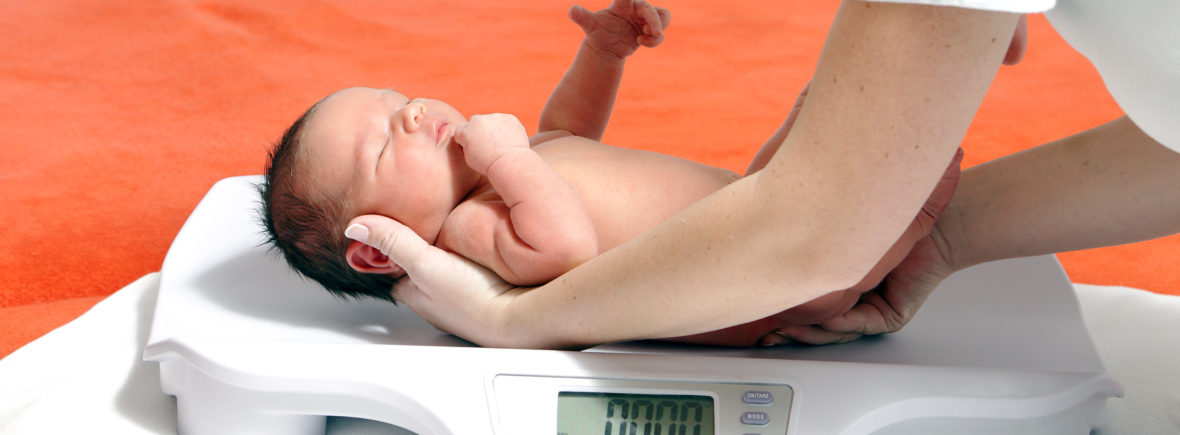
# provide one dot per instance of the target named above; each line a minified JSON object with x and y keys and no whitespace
{"x":633,"y":414}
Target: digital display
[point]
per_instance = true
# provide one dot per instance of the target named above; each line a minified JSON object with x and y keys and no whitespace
{"x":581,"y":413}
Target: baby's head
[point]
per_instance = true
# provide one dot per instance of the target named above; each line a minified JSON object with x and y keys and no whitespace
{"x":361,"y":151}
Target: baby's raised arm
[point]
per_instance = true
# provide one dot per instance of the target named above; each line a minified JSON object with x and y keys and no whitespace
{"x":582,"y":102}
{"x":533,"y":226}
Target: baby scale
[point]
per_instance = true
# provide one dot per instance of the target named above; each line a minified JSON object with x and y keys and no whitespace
{"x":247,"y":347}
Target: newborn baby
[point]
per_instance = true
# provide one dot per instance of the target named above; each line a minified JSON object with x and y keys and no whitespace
{"x":529,"y":209}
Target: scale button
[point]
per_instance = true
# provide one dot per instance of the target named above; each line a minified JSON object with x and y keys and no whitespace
{"x":758,"y":397}
{"x":757,"y":418}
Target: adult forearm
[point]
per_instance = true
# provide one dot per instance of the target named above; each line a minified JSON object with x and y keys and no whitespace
{"x":893,"y":94}
{"x":890,"y":101}
{"x":691,"y":274}
{"x":582,"y":102}
{"x":1106,"y":186}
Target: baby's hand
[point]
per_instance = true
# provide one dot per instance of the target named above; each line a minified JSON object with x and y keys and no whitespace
{"x":621,"y":28}
{"x":486,"y":138}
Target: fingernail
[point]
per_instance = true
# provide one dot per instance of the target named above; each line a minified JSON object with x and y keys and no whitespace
{"x":357,"y":232}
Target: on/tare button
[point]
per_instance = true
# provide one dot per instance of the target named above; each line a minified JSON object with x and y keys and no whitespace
{"x":756,"y":418}
{"x":758,"y":397}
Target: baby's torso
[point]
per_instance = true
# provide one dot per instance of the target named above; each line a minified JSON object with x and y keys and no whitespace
{"x":627,"y":192}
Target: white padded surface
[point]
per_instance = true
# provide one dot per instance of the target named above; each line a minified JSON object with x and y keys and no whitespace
{"x":87,"y":376}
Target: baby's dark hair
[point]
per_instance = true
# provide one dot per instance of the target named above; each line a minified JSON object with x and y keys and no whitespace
{"x":308,"y":229}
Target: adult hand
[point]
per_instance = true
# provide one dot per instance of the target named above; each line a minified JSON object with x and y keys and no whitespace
{"x":452,"y":293}
{"x":623,"y":26}
{"x":920,"y":228}
{"x":908,"y":272}
{"x":913,"y":266}
{"x":888,"y":307}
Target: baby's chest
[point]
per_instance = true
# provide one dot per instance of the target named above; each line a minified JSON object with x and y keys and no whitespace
{"x":610,"y":178}
{"x":628,"y":192}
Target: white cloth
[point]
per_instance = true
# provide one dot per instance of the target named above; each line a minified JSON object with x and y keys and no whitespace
{"x":1135,"y":46}
{"x":1135,"y":332}
{"x":87,"y":376}
{"x":1021,"y":6}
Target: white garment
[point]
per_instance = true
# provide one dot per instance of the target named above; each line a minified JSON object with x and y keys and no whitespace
{"x":1135,"y":46}
{"x":1021,"y":6}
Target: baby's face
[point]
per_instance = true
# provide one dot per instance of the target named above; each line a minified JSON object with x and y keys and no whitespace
{"x":389,"y":155}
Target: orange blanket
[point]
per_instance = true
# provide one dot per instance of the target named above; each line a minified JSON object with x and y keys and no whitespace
{"x":119,"y":116}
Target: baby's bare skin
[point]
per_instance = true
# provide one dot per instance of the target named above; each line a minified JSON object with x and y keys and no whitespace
{"x":625,"y":192}
{"x":629,"y":191}
{"x":532,"y":209}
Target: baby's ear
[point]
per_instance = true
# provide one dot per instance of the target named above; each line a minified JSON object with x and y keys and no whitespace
{"x":367,"y":259}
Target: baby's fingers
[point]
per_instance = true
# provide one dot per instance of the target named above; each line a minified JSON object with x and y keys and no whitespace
{"x":583,"y":18}
{"x":652,"y":25}
{"x":655,"y":20}
{"x":665,"y":18}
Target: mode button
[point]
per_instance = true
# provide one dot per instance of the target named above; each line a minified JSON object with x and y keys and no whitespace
{"x":755,"y":418}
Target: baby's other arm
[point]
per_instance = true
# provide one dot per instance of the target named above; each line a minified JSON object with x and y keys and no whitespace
{"x":582,"y":102}
{"x":539,"y":226}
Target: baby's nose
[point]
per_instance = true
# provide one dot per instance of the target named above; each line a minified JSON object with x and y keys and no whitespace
{"x":412,"y":115}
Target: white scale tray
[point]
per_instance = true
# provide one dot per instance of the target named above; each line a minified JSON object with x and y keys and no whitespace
{"x":248,"y":347}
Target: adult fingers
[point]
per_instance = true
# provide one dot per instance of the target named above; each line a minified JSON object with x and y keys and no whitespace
{"x":810,"y":334}
{"x":878,"y":313}
{"x":401,"y":244}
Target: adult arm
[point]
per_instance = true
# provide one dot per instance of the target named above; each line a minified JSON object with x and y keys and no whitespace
{"x":1106,"y":186}
{"x":892,"y":96}
{"x":772,"y":330}
{"x":1015,"y":53}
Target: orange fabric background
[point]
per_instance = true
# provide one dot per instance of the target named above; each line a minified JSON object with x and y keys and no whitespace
{"x":117,"y":117}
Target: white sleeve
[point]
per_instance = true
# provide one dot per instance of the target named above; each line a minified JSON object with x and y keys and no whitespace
{"x":1133,"y":45}
{"x":1021,"y":6}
